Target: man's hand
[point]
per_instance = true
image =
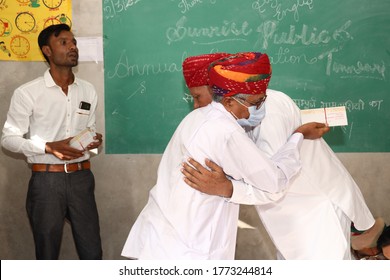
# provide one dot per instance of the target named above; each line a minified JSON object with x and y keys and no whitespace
{"x":213,"y":181}
{"x":62,"y":150}
{"x":95,"y":144}
{"x":313,"y":130}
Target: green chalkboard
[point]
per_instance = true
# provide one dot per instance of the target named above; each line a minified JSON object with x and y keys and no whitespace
{"x":324,"y":53}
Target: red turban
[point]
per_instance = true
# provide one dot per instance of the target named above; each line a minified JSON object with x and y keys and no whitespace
{"x":195,"y":68}
{"x":247,"y":73}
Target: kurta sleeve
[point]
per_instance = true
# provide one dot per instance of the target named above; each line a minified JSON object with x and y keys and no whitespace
{"x":250,"y":195}
{"x":243,"y":160}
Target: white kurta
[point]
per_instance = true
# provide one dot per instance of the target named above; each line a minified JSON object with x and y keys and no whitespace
{"x":179,"y":222}
{"x":306,"y":223}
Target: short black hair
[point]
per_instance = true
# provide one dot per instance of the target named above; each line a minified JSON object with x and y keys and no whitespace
{"x":56,"y":29}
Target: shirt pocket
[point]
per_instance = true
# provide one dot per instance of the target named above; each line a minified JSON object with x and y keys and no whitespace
{"x":81,"y":118}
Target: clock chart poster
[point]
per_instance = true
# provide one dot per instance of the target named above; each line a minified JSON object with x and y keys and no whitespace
{"x":22,"y":20}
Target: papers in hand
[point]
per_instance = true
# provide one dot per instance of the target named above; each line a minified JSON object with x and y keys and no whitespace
{"x":332,"y":116}
{"x":83,"y":139}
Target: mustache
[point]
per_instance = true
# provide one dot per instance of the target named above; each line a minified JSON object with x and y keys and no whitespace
{"x":73,"y":53}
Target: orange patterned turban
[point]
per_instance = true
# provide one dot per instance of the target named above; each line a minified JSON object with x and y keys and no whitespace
{"x":247,"y":73}
{"x":195,"y":68}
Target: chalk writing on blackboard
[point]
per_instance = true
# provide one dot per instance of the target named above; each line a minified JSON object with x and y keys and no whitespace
{"x":188,"y":98}
{"x":227,"y":28}
{"x":279,"y":11}
{"x":113,"y":8}
{"x":186,"y":5}
{"x":125,"y":69}
{"x":348,"y":130}
{"x":351,"y":105}
{"x":120,"y":111}
{"x":272,"y":33}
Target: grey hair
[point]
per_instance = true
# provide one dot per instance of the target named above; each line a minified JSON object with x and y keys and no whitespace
{"x":218,"y":98}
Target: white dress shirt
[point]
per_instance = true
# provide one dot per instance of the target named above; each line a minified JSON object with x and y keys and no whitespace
{"x":312,"y":220}
{"x":180,"y":222}
{"x":40,"y":112}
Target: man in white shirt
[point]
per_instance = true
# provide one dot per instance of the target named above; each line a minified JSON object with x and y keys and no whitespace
{"x":43,"y":117}
{"x":179,"y":222}
{"x":313,"y":219}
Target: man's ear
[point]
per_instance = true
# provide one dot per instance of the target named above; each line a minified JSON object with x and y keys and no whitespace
{"x":46,"y":50}
{"x":227,"y":101}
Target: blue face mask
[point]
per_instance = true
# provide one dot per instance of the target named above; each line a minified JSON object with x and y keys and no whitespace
{"x":255,"y":116}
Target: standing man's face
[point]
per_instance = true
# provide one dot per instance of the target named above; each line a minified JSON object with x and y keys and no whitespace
{"x":62,"y":50}
{"x":202,"y":96}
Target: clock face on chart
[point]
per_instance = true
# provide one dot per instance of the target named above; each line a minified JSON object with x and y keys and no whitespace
{"x":51,"y":21}
{"x":20,"y":45}
{"x":25,"y":22}
{"x":2,"y":27}
{"x":52,"y":4}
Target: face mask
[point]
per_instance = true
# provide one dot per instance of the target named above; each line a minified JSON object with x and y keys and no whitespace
{"x":255,"y":116}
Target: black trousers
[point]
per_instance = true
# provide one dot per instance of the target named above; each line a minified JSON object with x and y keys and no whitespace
{"x":54,"y":196}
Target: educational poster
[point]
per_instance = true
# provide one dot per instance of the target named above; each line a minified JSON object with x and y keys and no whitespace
{"x":22,"y":20}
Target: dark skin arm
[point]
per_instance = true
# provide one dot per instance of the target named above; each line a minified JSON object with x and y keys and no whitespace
{"x":313,"y":130}
{"x":215,"y":182}
{"x":62,"y":150}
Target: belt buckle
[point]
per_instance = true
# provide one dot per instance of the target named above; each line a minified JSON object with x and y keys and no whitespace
{"x":66,"y":169}
{"x":79,"y":167}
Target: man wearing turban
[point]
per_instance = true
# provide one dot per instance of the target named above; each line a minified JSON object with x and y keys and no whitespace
{"x":313,"y":219}
{"x":196,"y":76}
{"x":180,"y":222}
